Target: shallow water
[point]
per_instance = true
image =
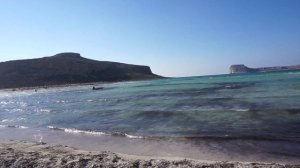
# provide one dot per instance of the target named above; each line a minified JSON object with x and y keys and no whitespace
{"x":249,"y":114}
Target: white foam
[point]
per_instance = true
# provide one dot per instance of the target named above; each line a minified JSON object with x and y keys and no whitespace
{"x":42,"y":110}
{"x":68,"y":130}
{"x":45,"y":110}
{"x":5,"y":120}
{"x":51,"y":127}
{"x":2,"y":126}
{"x":22,"y":127}
{"x":133,"y":136}
{"x":13,"y":126}
{"x":17,"y":110}
{"x":12,"y":120}
{"x":77,"y":131}
{"x":3,"y":102}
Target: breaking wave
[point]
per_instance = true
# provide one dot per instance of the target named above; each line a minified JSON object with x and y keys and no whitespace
{"x":89,"y":132}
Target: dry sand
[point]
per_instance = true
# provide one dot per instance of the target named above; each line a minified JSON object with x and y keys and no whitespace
{"x":27,"y":154}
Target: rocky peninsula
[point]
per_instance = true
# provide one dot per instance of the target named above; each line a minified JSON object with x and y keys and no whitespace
{"x":241,"y":68}
{"x":68,"y":68}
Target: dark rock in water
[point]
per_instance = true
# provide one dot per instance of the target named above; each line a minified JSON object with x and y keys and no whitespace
{"x":241,"y":68}
{"x":68,"y":68}
{"x":98,"y":88}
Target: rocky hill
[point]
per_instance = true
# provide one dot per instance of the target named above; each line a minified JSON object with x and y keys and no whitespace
{"x":67,"y":68}
{"x":241,"y":68}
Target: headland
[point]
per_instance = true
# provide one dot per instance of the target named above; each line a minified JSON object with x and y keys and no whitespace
{"x":67,"y":69}
{"x":241,"y":68}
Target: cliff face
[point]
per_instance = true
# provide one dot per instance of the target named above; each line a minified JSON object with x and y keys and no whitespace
{"x":67,"y":68}
{"x":240,"y":69}
{"x":244,"y":69}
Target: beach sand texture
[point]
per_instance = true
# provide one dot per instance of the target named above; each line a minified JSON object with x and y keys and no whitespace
{"x":27,"y":154}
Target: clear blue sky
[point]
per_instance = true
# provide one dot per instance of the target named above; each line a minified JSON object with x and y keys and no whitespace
{"x":173,"y":37}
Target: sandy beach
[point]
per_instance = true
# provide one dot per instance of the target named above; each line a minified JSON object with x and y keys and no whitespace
{"x":28,"y":154}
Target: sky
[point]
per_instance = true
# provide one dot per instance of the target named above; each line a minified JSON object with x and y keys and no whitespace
{"x":174,"y":37}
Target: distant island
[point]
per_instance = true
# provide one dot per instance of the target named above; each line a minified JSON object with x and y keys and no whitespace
{"x":68,"y":68}
{"x":241,"y":68}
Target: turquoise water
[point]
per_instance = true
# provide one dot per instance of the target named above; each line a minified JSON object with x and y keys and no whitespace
{"x":260,"y":107}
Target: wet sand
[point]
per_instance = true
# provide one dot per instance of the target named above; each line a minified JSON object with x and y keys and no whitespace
{"x":28,"y":154}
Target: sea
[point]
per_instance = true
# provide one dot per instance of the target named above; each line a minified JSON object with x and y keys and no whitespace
{"x":235,"y":117}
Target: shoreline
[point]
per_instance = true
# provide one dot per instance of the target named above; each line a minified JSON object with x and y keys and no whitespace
{"x":52,"y":86}
{"x":72,"y":85}
{"x":211,"y":150}
{"x":29,"y":154}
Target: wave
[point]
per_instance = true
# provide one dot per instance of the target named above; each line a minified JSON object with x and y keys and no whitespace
{"x":5,"y":120}
{"x":6,"y":102}
{"x":12,"y":120}
{"x":127,"y":135}
{"x":76,"y":131}
{"x":240,"y":109}
{"x":13,"y":126}
{"x":89,"y":132}
{"x":238,"y":137}
{"x":61,"y":101}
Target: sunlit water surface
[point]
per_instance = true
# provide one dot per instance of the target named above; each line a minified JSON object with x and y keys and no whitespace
{"x":249,"y":117}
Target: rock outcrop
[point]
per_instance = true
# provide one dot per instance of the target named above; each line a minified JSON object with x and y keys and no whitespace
{"x":67,"y":68}
{"x":241,"y":68}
